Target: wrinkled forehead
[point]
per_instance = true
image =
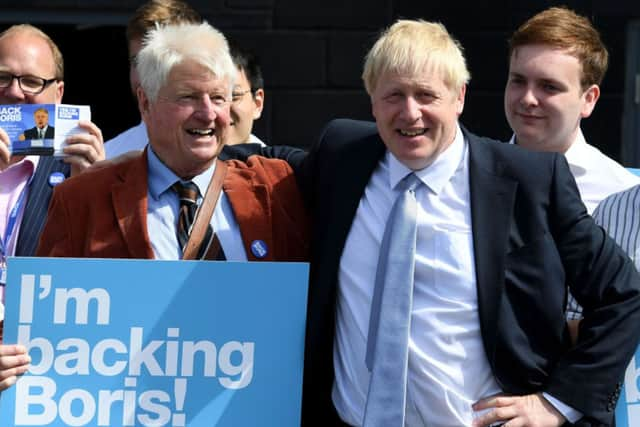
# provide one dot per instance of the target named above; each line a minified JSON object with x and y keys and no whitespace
{"x":192,"y":74}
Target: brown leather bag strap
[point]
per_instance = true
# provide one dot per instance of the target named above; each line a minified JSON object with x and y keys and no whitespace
{"x":203,"y":216}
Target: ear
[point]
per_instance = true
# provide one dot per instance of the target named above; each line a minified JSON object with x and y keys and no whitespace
{"x":258,"y":99}
{"x":59,"y":91}
{"x":143,"y":104}
{"x":460,"y":99}
{"x":590,"y":97}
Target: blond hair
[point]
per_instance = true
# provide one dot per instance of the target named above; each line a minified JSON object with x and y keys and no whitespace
{"x":413,"y":47}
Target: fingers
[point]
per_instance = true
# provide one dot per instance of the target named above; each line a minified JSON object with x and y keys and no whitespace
{"x":84,"y":149}
{"x":5,"y":154}
{"x":14,"y":361}
{"x":516,"y":411}
{"x":494,"y":410}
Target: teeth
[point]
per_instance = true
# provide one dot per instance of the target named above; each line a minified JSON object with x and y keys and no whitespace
{"x":412,"y":133}
{"x":201,"y":131}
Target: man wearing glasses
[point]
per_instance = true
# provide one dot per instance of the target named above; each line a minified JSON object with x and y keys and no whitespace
{"x":247,"y":98}
{"x":32,"y":72}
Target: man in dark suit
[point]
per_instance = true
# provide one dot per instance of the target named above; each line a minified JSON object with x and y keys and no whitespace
{"x":499,"y":233}
{"x":42,"y":129}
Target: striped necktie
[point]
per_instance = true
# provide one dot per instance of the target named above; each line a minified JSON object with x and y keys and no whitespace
{"x":188,"y":194}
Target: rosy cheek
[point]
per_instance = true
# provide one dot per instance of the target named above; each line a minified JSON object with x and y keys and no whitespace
{"x":224,"y":116}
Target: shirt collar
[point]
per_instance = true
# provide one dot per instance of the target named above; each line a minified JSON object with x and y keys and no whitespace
{"x":31,"y":161}
{"x":574,"y":154}
{"x":437,"y":174}
{"x":161,"y":178}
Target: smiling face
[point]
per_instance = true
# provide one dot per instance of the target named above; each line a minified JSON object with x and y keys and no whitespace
{"x":188,"y":121}
{"x":416,"y":116}
{"x":245,"y":108}
{"x":543,"y":100}
{"x":26,"y":54}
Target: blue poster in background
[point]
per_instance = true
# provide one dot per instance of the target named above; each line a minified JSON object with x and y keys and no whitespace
{"x":156,"y":343}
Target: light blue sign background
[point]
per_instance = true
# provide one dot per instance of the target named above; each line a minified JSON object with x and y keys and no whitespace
{"x":220,"y":302}
{"x":628,"y":408}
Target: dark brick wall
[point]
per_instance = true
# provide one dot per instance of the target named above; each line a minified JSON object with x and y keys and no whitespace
{"x":312,"y":54}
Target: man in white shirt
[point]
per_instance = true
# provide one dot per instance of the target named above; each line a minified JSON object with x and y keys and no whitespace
{"x":500,"y":231}
{"x":557,"y":63}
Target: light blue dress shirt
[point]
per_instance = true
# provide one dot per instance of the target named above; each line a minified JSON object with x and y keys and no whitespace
{"x":162,"y":213}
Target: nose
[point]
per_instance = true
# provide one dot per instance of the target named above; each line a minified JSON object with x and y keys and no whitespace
{"x":528,"y":98}
{"x":207,"y":110}
{"x":411,"y":109}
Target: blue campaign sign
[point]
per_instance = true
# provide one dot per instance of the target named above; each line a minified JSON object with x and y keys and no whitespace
{"x":628,"y":409}
{"x":156,"y":343}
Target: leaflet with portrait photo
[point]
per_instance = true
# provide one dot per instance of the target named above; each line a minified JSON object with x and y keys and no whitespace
{"x":41,"y":129}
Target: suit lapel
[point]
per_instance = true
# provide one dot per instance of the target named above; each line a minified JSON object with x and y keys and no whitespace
{"x":35,"y":210}
{"x":352,"y":179}
{"x":492,"y":198}
{"x":129,"y":198}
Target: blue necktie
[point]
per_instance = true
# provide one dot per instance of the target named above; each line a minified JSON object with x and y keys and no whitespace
{"x":390,"y":321}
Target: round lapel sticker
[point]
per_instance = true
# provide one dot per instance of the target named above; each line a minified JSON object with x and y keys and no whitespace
{"x":56,"y":178}
{"x":259,"y":248}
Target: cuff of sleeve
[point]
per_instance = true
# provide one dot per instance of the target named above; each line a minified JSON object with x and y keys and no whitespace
{"x":567,"y":411}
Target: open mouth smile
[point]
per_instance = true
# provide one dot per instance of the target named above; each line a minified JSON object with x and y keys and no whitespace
{"x":200,"y":132}
{"x":416,"y":132}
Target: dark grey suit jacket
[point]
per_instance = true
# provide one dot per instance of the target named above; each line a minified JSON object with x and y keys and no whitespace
{"x":35,"y":211}
{"x":531,"y":235}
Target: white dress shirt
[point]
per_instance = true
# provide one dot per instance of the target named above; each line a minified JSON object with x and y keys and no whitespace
{"x":596,"y":175}
{"x":448,"y":369}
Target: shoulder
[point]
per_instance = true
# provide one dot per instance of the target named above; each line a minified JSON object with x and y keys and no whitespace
{"x":339,"y":131}
{"x":508,"y":155}
{"x":134,"y":138}
{"x":258,"y":168}
{"x":628,"y":199}
{"x":99,"y":178}
{"x":596,"y":161}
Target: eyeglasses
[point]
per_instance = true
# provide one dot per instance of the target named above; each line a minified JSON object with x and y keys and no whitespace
{"x":237,"y":96}
{"x":28,"y":84}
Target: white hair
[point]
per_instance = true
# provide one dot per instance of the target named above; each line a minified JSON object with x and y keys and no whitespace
{"x":167,"y":46}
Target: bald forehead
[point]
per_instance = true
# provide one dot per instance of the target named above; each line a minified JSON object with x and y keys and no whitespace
{"x":24,"y":52}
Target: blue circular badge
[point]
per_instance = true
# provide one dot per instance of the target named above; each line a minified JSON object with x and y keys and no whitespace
{"x":56,"y":178}
{"x":259,"y":248}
